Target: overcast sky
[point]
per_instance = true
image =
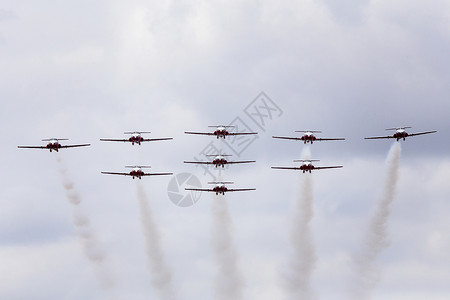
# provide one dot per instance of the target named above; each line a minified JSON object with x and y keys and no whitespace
{"x":85,"y":71}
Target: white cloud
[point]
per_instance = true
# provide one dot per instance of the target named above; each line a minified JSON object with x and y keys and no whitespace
{"x":87,"y":71}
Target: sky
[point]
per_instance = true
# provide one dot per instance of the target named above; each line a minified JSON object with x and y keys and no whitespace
{"x":85,"y":71}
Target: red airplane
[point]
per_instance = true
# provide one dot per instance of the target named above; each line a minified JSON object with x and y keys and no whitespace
{"x":53,"y":144}
{"x":400,"y":133}
{"x":220,"y":188}
{"x":137,"y":172}
{"x":308,"y":137}
{"x":306,"y":166}
{"x":135,"y":137}
{"x":221,"y":132}
{"x":219,"y":160}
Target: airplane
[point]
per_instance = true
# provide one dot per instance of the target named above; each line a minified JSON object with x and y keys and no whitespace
{"x":308,"y":137}
{"x":221,"y":132}
{"x":219,"y":160}
{"x":219,"y":188}
{"x":53,"y":144}
{"x":136,"y":137}
{"x":137,"y":172}
{"x":306,"y":166}
{"x":400,"y":133}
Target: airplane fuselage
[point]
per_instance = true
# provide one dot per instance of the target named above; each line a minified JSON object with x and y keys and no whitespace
{"x":53,"y":145}
{"x":137,"y":138}
{"x":307,"y":167}
{"x":400,"y":134}
{"x":308,"y":138}
{"x":219,"y":161}
{"x":220,"y":189}
{"x":137,"y":173}
{"x":220,"y":132}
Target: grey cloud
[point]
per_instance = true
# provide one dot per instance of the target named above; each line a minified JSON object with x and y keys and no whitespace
{"x":167,"y":68}
{"x":7,"y":15}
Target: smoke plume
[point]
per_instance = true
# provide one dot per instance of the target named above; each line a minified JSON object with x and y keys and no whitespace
{"x":161,"y":276}
{"x":303,"y":258}
{"x":88,"y":240}
{"x":228,"y":284}
{"x":376,"y":236}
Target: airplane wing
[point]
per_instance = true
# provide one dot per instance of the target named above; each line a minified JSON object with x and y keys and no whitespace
{"x":332,"y":167}
{"x":379,"y":137}
{"x":114,"y":140}
{"x":286,"y":138}
{"x":287,"y":168}
{"x":200,"y":190}
{"x":241,"y":133}
{"x":114,"y":173}
{"x":158,"y":139}
{"x":155,"y":174}
{"x":239,"y":190}
{"x":73,"y":146}
{"x":241,"y":162}
{"x":330,"y":139}
{"x":33,"y":147}
{"x":199,"y":162}
{"x":420,"y":133}
{"x":202,"y":133}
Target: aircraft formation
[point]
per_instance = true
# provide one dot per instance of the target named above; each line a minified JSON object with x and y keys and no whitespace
{"x":220,"y":160}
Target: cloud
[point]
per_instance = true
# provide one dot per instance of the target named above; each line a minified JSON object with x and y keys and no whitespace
{"x":7,"y":15}
{"x":92,"y":71}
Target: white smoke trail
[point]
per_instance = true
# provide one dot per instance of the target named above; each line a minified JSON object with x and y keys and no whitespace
{"x":303,"y":259}
{"x":161,"y":276}
{"x":228,"y":284}
{"x":376,"y":237}
{"x":89,"y":242}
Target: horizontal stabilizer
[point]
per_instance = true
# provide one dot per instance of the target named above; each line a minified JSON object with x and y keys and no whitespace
{"x":139,"y":132}
{"x":52,"y":139}
{"x":397,"y":128}
{"x":138,"y":167}
{"x":303,"y":160}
